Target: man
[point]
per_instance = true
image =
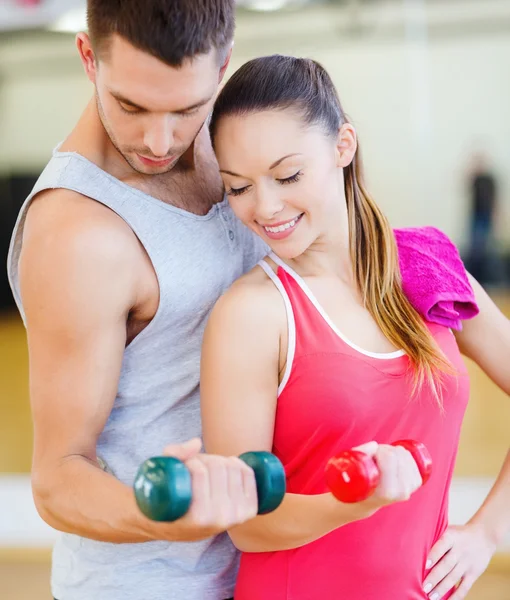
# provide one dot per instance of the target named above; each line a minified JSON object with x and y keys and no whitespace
{"x":118,"y":255}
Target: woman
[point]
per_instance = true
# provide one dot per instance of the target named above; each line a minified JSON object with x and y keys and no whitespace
{"x":318,"y":350}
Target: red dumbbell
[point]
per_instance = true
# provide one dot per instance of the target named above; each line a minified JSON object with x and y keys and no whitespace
{"x":352,"y":476}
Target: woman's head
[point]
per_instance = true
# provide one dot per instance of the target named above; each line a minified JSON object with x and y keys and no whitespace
{"x":282,"y":141}
{"x":290,"y":160}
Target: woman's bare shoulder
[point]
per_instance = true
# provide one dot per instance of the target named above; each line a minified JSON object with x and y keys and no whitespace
{"x":252,"y":297}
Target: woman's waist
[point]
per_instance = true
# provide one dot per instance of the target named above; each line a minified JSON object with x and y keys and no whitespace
{"x":361,"y":561}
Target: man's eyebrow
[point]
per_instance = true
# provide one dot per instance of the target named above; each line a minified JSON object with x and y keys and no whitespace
{"x":125,"y":100}
{"x":118,"y":96}
{"x":275,"y":164}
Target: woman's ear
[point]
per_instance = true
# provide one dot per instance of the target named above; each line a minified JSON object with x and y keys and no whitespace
{"x":346,"y":145}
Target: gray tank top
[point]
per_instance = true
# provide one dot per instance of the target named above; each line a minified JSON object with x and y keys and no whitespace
{"x":196,"y":258}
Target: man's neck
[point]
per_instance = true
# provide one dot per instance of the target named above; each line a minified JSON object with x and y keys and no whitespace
{"x":194,"y":184}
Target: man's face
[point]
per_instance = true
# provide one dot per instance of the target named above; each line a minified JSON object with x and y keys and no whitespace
{"x":153,"y":112}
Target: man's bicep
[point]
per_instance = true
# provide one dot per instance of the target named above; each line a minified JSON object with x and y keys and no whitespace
{"x":75,"y":295}
{"x":73,"y":383}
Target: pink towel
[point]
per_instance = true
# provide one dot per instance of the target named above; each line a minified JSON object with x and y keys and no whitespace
{"x":433,"y":276}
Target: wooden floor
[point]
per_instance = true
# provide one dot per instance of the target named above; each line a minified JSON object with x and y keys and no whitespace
{"x":31,"y":582}
{"x":484,"y":443}
{"x":15,"y":423}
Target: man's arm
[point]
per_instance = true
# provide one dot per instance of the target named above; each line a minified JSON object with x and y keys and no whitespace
{"x":79,"y":276}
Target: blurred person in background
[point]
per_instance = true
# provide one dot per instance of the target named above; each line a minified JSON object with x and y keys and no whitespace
{"x":483,"y":208}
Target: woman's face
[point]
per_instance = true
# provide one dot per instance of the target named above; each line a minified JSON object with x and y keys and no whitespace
{"x":283,"y":178}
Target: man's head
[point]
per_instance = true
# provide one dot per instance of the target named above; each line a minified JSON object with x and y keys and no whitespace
{"x":156,"y":66}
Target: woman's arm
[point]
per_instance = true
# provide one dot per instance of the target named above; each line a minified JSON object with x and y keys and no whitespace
{"x":239,"y":382}
{"x":462,"y":554}
{"x":486,"y":340}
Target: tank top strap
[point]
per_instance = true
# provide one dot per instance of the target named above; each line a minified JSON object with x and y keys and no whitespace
{"x":308,"y":333}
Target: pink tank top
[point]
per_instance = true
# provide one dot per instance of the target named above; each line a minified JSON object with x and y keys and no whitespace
{"x":335,"y":395}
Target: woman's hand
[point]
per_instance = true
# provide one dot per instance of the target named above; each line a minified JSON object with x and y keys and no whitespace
{"x":399,"y":476}
{"x":458,"y":558}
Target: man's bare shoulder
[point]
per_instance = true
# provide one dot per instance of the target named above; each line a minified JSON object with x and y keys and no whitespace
{"x":64,"y":214}
{"x":72,"y":243}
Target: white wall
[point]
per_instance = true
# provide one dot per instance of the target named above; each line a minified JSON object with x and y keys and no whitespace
{"x":422,"y":101}
{"x":42,"y":92}
{"x":420,"y":105}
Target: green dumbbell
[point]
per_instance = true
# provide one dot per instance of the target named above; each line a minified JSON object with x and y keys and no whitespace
{"x":163,"y":485}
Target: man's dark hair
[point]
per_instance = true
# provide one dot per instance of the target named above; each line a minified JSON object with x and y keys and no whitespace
{"x":171,"y":30}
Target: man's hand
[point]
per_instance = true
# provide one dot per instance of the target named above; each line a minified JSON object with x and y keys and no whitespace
{"x":224,"y":491}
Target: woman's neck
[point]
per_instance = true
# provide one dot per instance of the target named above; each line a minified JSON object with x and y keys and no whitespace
{"x":324,"y":260}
